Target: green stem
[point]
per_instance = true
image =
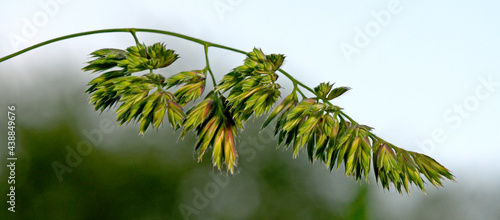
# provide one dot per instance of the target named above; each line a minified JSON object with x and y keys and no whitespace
{"x":296,"y":88}
{"x":208,"y":65}
{"x":115,"y":30}
{"x":135,"y":37}
{"x":296,"y":82}
{"x":133,"y":31}
{"x":347,"y":116}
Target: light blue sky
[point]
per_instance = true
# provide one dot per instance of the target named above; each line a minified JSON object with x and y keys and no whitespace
{"x":417,"y":68}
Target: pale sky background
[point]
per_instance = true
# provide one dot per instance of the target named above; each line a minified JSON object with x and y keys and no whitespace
{"x":418,"y":72}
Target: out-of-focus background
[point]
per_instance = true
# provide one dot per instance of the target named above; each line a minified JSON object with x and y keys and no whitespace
{"x":424,"y":74}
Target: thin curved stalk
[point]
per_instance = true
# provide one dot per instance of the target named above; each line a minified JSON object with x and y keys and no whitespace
{"x":115,"y":30}
{"x":208,"y":66}
{"x":133,"y":31}
{"x":296,"y":82}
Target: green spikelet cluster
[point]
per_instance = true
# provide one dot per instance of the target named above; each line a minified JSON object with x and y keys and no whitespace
{"x":215,"y":128}
{"x":130,"y":81}
{"x":311,"y":124}
{"x":252,"y":86}
{"x":136,"y":95}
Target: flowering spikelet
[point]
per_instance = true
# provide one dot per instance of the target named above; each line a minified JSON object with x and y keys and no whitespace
{"x":133,"y":92}
{"x":141,"y":57}
{"x":215,"y":128}
{"x":252,"y":87}
{"x":194,"y":85}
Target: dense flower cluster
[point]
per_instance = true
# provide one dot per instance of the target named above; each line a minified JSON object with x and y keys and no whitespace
{"x":252,"y":86}
{"x":312,"y":123}
{"x":133,"y":92}
{"x":214,"y":127}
